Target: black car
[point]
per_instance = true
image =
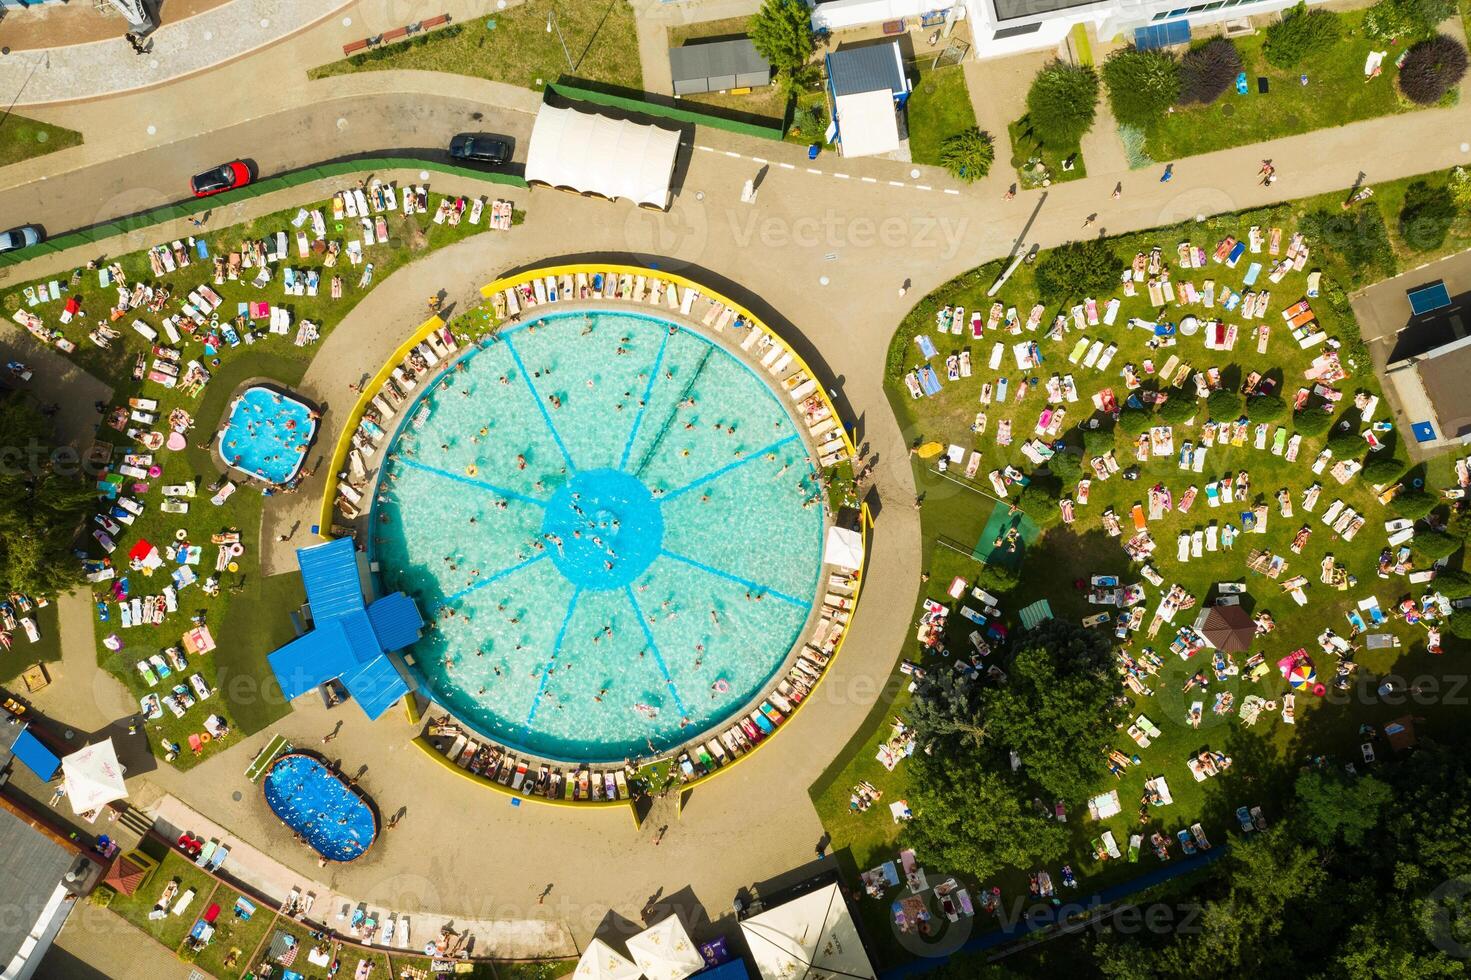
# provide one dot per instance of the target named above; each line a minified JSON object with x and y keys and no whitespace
{"x":481,"y":148}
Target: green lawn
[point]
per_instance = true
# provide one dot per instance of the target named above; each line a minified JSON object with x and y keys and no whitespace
{"x":247,"y":629}
{"x":22,"y":138}
{"x":171,"y":929}
{"x":1039,"y":164}
{"x":23,"y":653}
{"x":513,"y":46}
{"x":955,"y":510}
{"x":1336,"y":94}
{"x":939,"y":107}
{"x":235,"y":939}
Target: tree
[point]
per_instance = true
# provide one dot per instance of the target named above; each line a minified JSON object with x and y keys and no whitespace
{"x":1431,"y":546}
{"x":41,"y":509}
{"x":1135,"y":421}
{"x":1039,"y":499}
{"x":1412,"y":504}
{"x":968,"y":154}
{"x":1057,"y":709}
{"x":948,"y":712}
{"x":1460,"y":188}
{"x":1347,"y":444}
{"x":1432,"y":68}
{"x":1335,"y":808}
{"x":1265,"y":408}
{"x":1141,"y":84}
{"x":1208,"y":71}
{"x":1460,"y":623}
{"x":998,"y":578}
{"x":1098,"y":441}
{"x":1300,"y":34}
{"x":1358,"y":237}
{"x":782,"y":33}
{"x":1066,"y":466}
{"x":1062,"y":102}
{"x":1391,"y":20}
{"x":1177,"y":409}
{"x":1426,"y":217}
{"x":1077,"y":269}
{"x":970,"y":820}
{"x":1311,"y":422}
{"x":1223,"y":405}
{"x":1382,"y":471}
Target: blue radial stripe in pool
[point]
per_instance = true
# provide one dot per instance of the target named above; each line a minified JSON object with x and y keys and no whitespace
{"x":685,"y":547}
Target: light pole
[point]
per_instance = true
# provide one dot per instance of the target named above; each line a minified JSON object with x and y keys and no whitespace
{"x":552,"y":20}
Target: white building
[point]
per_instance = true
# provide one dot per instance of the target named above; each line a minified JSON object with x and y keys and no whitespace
{"x":1003,"y":27}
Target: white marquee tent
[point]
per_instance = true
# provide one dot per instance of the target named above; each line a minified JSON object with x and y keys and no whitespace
{"x":665,"y":952}
{"x":592,"y":154}
{"x":808,"y":938}
{"x":868,"y":123}
{"x":93,"y":777}
{"x":602,"y":962}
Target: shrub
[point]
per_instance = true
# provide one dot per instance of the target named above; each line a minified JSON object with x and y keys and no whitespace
{"x":1098,"y":441}
{"x":1141,"y":84}
{"x":1134,"y":138}
{"x":1039,"y":499}
{"x":1390,"y":20}
{"x":1062,"y":103}
{"x":1432,"y":546}
{"x":1077,"y":269}
{"x":1224,"y":405}
{"x":1135,"y":420}
{"x":1177,"y":409}
{"x":1412,"y":504}
{"x":808,"y":120}
{"x":1300,"y":34}
{"x":1348,"y":445}
{"x":1453,"y":584}
{"x":1432,"y":68}
{"x":1460,"y":623}
{"x":1206,"y":72}
{"x":1426,"y":216}
{"x":998,"y":578}
{"x":1460,"y":188}
{"x":969,"y":154}
{"x":1313,"y":422}
{"x":1265,"y":408}
{"x":1359,"y":238}
{"x":1382,"y":472}
{"x":1066,"y":466}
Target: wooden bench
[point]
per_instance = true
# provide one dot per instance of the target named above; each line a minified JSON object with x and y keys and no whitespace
{"x":353,"y":47}
{"x":397,"y":34}
{"x":434,"y":22}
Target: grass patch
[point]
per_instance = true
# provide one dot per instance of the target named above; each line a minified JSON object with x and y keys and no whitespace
{"x":1038,"y":164}
{"x":22,"y":139}
{"x":22,"y":653}
{"x":600,"y":38}
{"x":246,"y":693}
{"x":1336,"y":94}
{"x":955,"y":511}
{"x":810,"y":99}
{"x":235,"y":939}
{"x":938,"y":108}
{"x":171,"y":929}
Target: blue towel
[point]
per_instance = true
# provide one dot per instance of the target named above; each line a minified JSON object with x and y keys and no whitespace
{"x":926,"y":347}
{"x":929,"y":381}
{"x":201,"y":248}
{"x":1254,"y":270}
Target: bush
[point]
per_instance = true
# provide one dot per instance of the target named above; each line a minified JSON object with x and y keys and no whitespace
{"x":1134,"y":139}
{"x":1265,"y":408}
{"x":968,"y":155}
{"x":1077,"y":269}
{"x":1432,"y":546}
{"x":1313,"y":422}
{"x":1300,"y":34}
{"x":1460,"y":189}
{"x":808,"y":120}
{"x":1348,"y":445}
{"x":1177,"y":410}
{"x":1208,"y":71}
{"x":1432,"y":68}
{"x":1066,"y":466}
{"x":1039,"y":499}
{"x":1453,"y":584}
{"x":1390,"y":20}
{"x":1098,"y":441}
{"x":1426,"y":216}
{"x":1062,"y":103}
{"x":1135,"y":420}
{"x":998,"y":578}
{"x":1383,"y":471}
{"x":1141,"y":84}
{"x":1412,"y":504}
{"x":1224,"y":406}
{"x":1460,"y":623}
{"x":1359,"y":238}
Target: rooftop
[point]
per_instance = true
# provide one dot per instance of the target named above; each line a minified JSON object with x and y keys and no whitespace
{"x":1016,"y":9}
{"x":31,"y":866}
{"x":868,"y":68}
{"x":1444,"y":377}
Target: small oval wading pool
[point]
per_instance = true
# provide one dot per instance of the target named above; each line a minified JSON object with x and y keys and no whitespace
{"x":267,"y":434}
{"x":317,"y":804}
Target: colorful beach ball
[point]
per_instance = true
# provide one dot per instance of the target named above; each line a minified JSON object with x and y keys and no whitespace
{"x":1302,"y":676}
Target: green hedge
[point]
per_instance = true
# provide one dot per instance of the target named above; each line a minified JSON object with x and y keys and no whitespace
{"x":667,"y":112}
{"x":307,"y":175}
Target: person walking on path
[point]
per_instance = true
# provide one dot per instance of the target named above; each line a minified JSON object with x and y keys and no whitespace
{"x":1169,"y":172}
{"x":1118,"y":190}
{"x":1090,"y":219}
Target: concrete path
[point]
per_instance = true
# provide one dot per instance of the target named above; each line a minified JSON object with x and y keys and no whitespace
{"x":97,"y":945}
{"x":56,"y":25}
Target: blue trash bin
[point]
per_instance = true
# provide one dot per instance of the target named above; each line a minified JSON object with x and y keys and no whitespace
{"x":812,"y":151}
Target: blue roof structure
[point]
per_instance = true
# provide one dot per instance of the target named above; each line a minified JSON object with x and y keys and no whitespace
{"x":350,"y":640}
{"x":1162,"y":35}
{"x":36,"y":757}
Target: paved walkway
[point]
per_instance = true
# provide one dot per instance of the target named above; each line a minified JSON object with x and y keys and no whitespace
{"x":97,"y":945}
{"x":57,"y":25}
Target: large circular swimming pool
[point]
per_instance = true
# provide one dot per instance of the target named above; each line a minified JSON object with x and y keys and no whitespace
{"x":615,"y":527}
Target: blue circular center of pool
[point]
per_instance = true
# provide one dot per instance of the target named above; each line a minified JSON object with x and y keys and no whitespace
{"x":315,"y":803}
{"x":612,"y":521}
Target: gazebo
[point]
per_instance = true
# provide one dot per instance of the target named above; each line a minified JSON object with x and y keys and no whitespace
{"x":129,"y":872}
{"x":1227,"y":628}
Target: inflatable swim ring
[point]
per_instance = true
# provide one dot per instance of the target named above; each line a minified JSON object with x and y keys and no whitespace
{"x":205,"y":736}
{"x":237,"y":549}
{"x":721,"y":685}
{"x":233,"y":566}
{"x":180,"y":534}
{"x":471,"y":470}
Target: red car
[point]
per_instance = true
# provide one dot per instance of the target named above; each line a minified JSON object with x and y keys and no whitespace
{"x":222,"y":178}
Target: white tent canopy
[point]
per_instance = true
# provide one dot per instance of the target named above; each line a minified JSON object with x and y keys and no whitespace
{"x":844,"y":548}
{"x":867,"y":123}
{"x":602,"y":962}
{"x":665,"y":952}
{"x":614,"y":158}
{"x":812,"y":936}
{"x":93,"y":777}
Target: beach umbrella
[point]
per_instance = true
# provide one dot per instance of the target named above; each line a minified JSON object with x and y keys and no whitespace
{"x":665,"y":951}
{"x":1302,"y":676}
{"x":1228,"y":628}
{"x":602,"y":962}
{"x":93,"y":777}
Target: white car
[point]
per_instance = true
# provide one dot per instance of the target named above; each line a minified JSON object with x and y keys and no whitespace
{"x":22,"y":237}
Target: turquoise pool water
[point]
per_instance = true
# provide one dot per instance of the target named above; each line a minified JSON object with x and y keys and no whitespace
{"x":336,"y":822}
{"x":267,"y":435}
{"x":612,"y":522}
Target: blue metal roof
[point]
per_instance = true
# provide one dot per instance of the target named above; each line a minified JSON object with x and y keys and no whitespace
{"x":1162,"y":35}
{"x":396,"y":621}
{"x":376,"y":686}
{"x":872,"y":68}
{"x":34,"y":756}
{"x":330,"y":574}
{"x":312,"y":659}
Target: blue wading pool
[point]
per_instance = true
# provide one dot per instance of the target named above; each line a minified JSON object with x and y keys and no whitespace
{"x":615,"y":527}
{"x":267,"y":435}
{"x":316,"y":803}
